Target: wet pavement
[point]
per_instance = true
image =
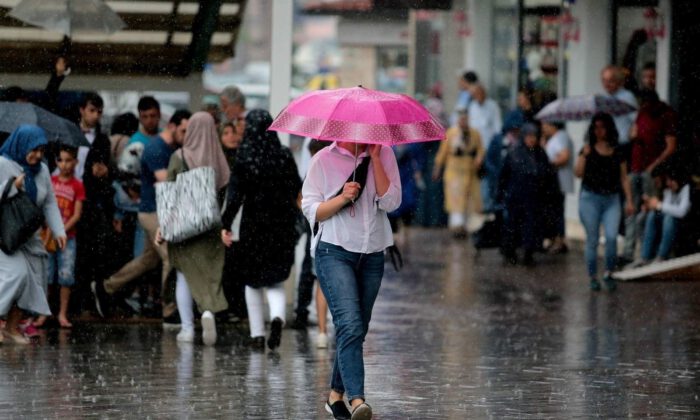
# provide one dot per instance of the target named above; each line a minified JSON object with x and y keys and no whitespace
{"x":454,"y":336}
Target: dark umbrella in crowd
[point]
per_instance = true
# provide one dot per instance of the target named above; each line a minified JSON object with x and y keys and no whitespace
{"x":69,"y":16}
{"x":577,"y":108}
{"x":13,"y":114}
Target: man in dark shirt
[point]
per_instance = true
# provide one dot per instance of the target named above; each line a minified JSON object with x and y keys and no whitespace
{"x":653,"y":138}
{"x":154,"y":168}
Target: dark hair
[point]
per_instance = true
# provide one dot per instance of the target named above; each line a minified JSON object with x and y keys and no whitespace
{"x":558,"y":124}
{"x":317,"y":145}
{"x":648,"y":96}
{"x":126,"y":124}
{"x":179,"y":115}
{"x":71,"y":150}
{"x":470,"y":77}
{"x":92,"y":98}
{"x":148,"y":102}
{"x":611,"y":133}
{"x":650,"y":65}
{"x":14,"y":93}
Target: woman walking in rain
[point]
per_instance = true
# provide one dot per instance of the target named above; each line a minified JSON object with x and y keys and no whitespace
{"x":603,"y":170}
{"x":199,"y":261}
{"x":353,"y":232}
{"x":265,"y":181}
{"x":23,"y":273}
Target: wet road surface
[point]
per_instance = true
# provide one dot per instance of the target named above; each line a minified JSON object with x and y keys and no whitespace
{"x":454,"y":336}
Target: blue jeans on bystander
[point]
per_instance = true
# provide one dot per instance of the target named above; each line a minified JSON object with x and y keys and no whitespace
{"x":651,"y":230}
{"x":350,"y":281}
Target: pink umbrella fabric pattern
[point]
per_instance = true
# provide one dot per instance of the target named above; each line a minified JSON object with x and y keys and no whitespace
{"x":577,"y":108}
{"x":359,"y":115}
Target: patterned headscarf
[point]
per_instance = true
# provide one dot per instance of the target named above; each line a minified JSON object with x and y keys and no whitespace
{"x":261,"y":152}
{"x":202,"y":148}
{"x":23,"y":140}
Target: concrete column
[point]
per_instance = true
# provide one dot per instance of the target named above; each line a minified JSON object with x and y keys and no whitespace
{"x":478,"y":47}
{"x":452,"y":55}
{"x":586,"y":59}
{"x":281,"y":58}
{"x":663,"y":54}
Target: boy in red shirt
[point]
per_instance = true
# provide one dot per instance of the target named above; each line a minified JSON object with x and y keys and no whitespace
{"x":70,"y":195}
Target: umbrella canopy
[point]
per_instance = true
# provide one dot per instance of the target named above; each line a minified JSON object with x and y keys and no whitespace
{"x":13,"y":114}
{"x":576,"y":108}
{"x":359,"y":115}
{"x":69,"y":16}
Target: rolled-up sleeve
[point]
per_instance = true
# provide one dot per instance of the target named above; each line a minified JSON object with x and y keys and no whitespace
{"x":312,"y":191}
{"x":391,"y":200}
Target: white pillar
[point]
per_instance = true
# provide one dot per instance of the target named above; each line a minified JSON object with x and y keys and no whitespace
{"x":663,"y":53}
{"x":479,"y":46}
{"x":585,"y":61}
{"x":281,"y":58}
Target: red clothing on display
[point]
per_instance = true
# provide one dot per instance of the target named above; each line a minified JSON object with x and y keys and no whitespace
{"x":67,"y":193}
{"x":654,"y":123}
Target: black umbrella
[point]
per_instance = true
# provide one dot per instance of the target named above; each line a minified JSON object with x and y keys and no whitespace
{"x":58,"y":129}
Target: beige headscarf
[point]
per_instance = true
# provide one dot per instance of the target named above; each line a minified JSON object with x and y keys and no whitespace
{"x":202,"y":148}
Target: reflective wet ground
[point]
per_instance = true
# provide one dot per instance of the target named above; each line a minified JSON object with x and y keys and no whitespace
{"x":454,"y":336}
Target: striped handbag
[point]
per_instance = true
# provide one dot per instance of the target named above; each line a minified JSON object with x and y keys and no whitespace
{"x":188,"y":207}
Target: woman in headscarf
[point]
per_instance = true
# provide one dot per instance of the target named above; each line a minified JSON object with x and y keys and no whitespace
{"x":23,"y":273}
{"x":199,"y":261}
{"x":265,"y":181}
{"x":526,"y":181}
{"x":461,"y":155}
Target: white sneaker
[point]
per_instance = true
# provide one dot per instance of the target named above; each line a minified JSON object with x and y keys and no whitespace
{"x":208,"y":329}
{"x":322,"y":341}
{"x":185,"y":336}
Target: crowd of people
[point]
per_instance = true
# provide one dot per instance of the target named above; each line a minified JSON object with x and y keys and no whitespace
{"x":633,"y":180}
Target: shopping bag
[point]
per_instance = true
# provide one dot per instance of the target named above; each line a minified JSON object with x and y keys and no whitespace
{"x":20,"y":219}
{"x":188,"y":207}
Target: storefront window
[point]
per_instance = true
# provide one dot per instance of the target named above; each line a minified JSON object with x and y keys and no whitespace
{"x":505,"y":53}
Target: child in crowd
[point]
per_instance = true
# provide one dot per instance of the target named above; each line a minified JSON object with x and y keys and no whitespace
{"x":70,"y":195}
{"x":666,"y":215}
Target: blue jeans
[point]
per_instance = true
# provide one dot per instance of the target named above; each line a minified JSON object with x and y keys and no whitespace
{"x":61,"y":267}
{"x":594,"y":210}
{"x":350,"y":282}
{"x":668,"y":233}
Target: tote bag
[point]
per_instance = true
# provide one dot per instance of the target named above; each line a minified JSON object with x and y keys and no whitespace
{"x":188,"y":207}
{"x":20,"y":219}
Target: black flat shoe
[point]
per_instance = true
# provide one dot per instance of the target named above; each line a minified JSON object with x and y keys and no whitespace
{"x":339,"y":410}
{"x":362,"y":412}
{"x":257,"y":343}
{"x":275,"y":334}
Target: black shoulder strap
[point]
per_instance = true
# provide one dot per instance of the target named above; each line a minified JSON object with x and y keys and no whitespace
{"x":7,"y":188}
{"x":360,"y":175}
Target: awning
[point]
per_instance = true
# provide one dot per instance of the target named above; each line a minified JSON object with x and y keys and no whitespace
{"x":162,"y":38}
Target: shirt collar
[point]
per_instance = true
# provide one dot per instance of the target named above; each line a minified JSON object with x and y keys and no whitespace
{"x":345,"y":152}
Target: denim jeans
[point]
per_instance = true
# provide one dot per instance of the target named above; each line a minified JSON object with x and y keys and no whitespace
{"x":641,"y":184}
{"x":594,"y":210}
{"x":61,"y":266}
{"x":350,"y":282}
{"x":668,"y":233}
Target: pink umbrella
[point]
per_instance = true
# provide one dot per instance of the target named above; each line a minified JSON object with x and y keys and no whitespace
{"x":359,"y":115}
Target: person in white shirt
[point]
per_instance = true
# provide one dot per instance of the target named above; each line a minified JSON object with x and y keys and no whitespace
{"x":665,"y":214}
{"x":613,"y":80}
{"x":485,"y":117}
{"x":560,"y":151}
{"x":353,"y":232}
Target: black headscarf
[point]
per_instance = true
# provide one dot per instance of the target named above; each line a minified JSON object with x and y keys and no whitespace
{"x":260,"y":151}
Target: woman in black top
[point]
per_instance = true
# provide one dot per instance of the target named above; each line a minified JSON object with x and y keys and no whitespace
{"x":604,"y":171}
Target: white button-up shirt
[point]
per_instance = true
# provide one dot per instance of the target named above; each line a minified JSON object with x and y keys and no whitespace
{"x":623,"y":123}
{"x":486,"y":119}
{"x":365,"y":229}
